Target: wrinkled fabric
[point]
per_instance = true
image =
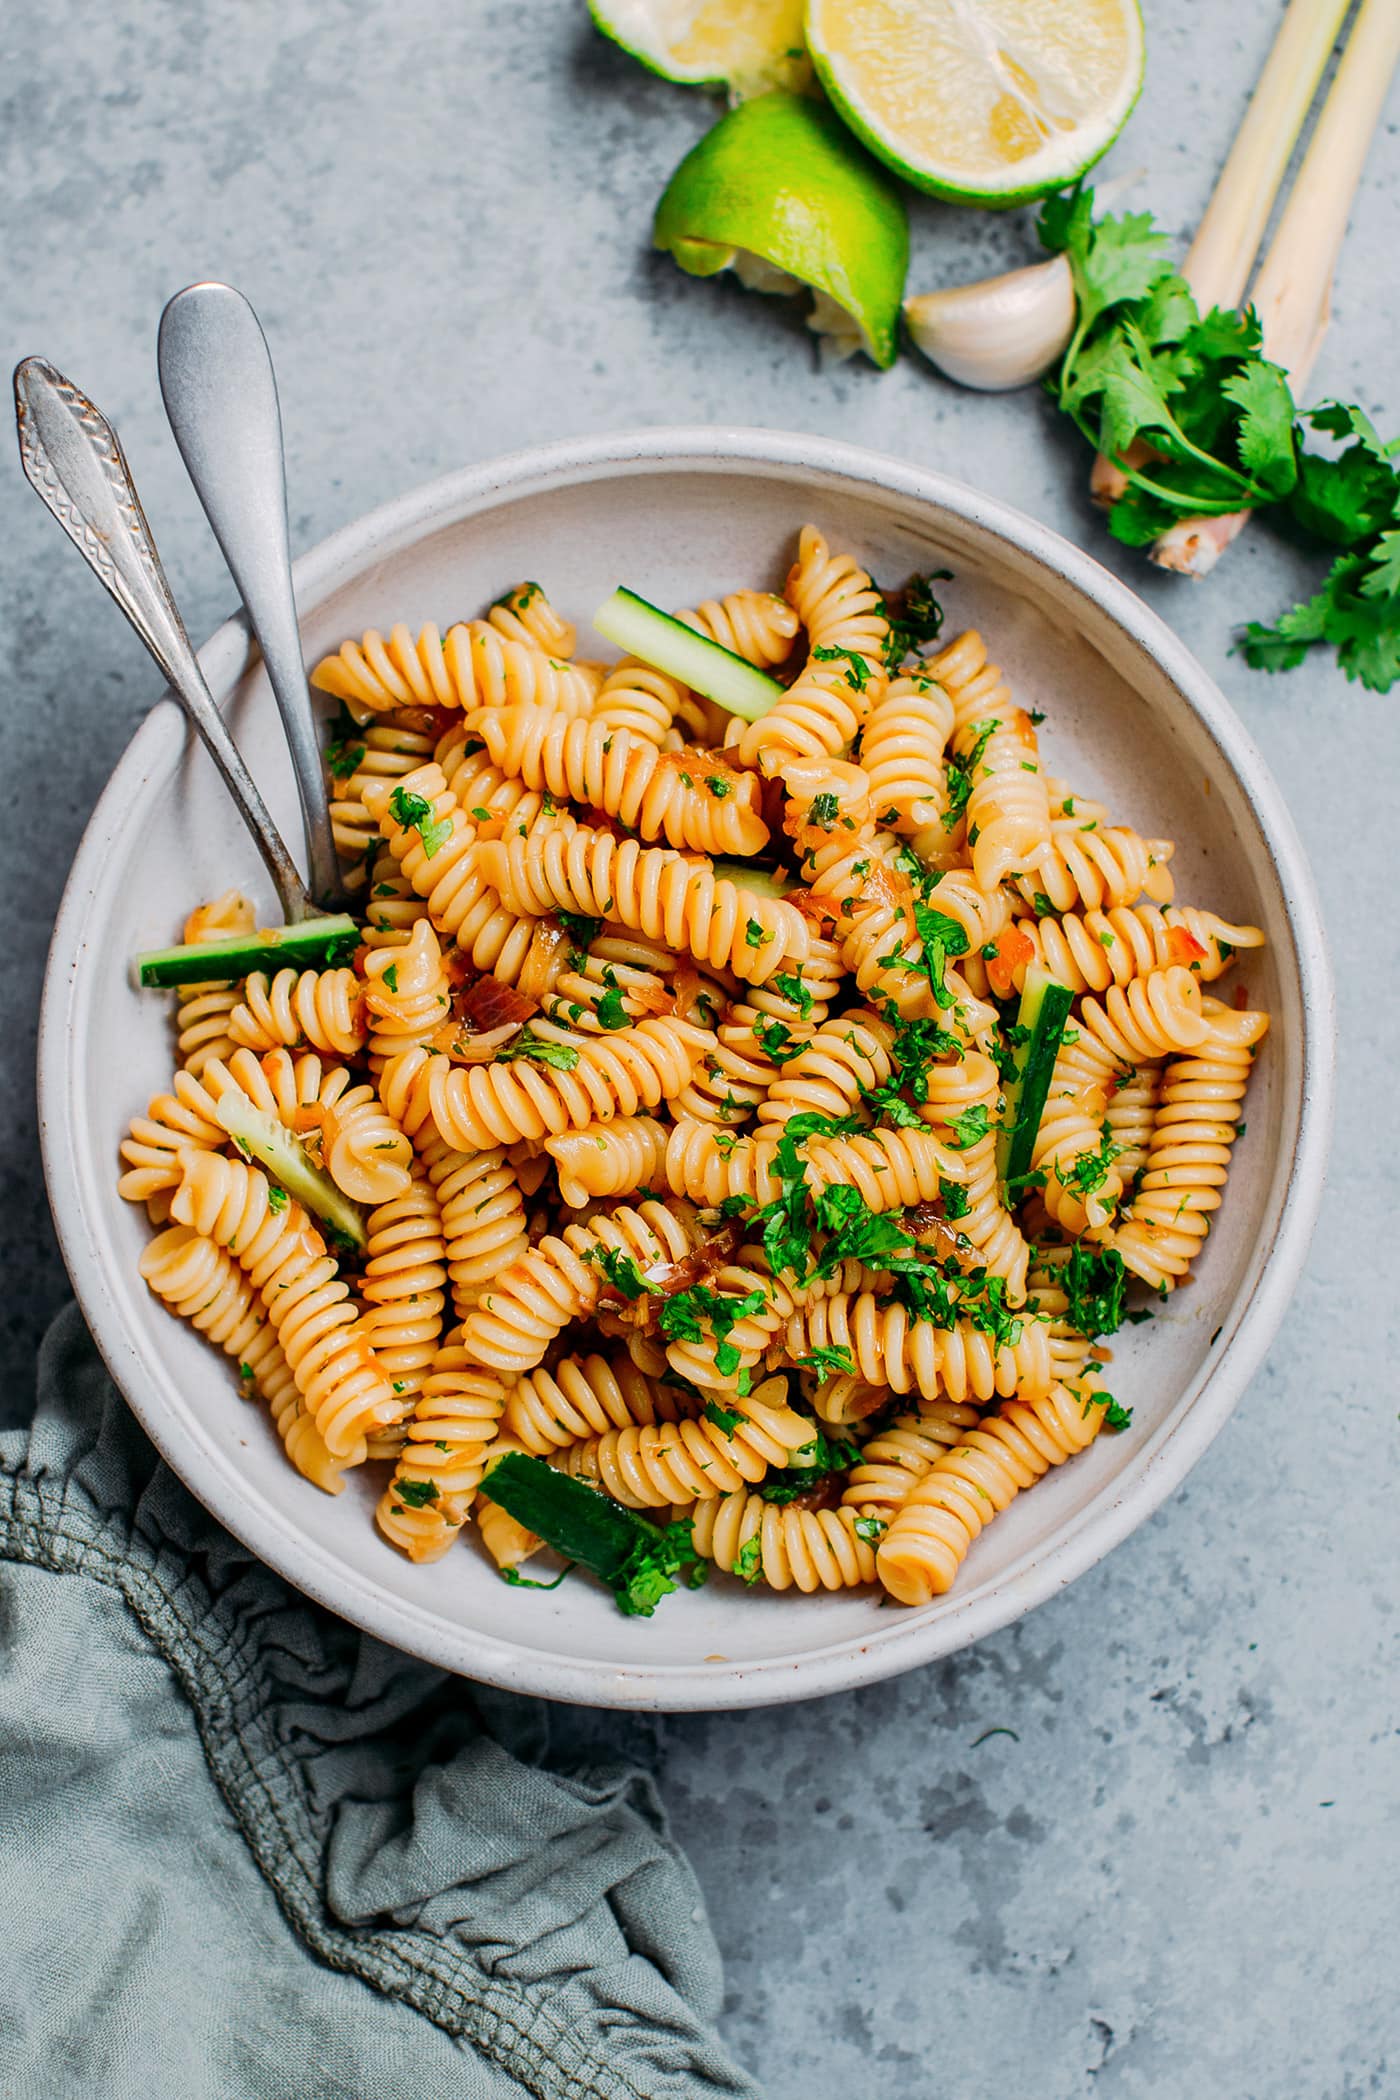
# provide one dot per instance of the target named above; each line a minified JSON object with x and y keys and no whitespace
{"x":246,"y":1850}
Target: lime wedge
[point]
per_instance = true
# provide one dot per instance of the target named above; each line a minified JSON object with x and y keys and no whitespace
{"x":781,"y":193}
{"x":745,"y":45}
{"x":981,"y":101}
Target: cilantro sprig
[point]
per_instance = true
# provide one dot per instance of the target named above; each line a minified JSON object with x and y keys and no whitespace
{"x":1220,"y":433}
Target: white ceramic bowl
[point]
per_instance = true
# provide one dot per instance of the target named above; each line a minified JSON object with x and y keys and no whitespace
{"x":1131,"y":719}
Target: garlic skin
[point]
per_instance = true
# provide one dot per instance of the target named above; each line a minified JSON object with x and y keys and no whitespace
{"x":1000,"y":333}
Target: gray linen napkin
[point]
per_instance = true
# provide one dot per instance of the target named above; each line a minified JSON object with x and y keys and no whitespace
{"x":246,"y":1850}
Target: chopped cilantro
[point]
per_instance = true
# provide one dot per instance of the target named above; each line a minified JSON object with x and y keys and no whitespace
{"x":754,"y":935}
{"x":581,"y":931}
{"x":1116,"y":1417}
{"x":417,"y":1493}
{"x":718,"y":788}
{"x":610,"y":1009}
{"x":812,"y":1463}
{"x":1093,"y":1280}
{"x":416,"y":814}
{"x":961,"y":771}
{"x":972,"y":1124}
{"x":561,"y":1056}
{"x":621,"y":1271}
{"x":826,"y":1361}
{"x":915,"y":616}
{"x":954,"y":1198}
{"x":857,"y":672}
{"x":343,"y":759}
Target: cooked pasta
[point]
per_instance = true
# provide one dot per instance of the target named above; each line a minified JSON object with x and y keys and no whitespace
{"x":901,"y":752}
{"x":203,"y":1010}
{"x":344,"y":1387}
{"x":199,"y":1280}
{"x":934,"y":1527}
{"x":454,"y":1423}
{"x":805,"y":1549}
{"x":585,"y":1396}
{"x":995,"y":745}
{"x":668,"y":1123}
{"x":473,"y":665}
{"x":653,"y":1464}
{"x":608,"y":1159}
{"x":319,"y":1009}
{"x":847,"y":629}
{"x":1194,"y":1127}
{"x":482,"y":1207}
{"x":403,"y":1286}
{"x":661,"y":893}
{"x":688,"y":798}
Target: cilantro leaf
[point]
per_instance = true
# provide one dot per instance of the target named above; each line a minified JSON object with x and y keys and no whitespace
{"x":610,"y":1010}
{"x":581,"y":931}
{"x":809,"y":1465}
{"x":826,"y":1361}
{"x":1093,"y":1280}
{"x":561,"y":1056}
{"x":1265,"y":434}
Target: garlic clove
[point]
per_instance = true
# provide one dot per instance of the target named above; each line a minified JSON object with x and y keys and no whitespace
{"x":1001,"y":332}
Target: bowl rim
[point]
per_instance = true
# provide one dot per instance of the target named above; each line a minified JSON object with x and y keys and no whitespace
{"x":911,"y":1639}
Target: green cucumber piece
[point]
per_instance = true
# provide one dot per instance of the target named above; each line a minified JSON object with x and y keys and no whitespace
{"x":275,"y":1147}
{"x":644,"y":631}
{"x":315,"y":944}
{"x":759,"y":882}
{"x":637,"y":1560}
{"x":1044,"y":1010}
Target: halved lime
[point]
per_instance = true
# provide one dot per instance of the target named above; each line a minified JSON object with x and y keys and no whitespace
{"x":745,"y":45}
{"x":781,"y":193}
{"x":981,"y":101}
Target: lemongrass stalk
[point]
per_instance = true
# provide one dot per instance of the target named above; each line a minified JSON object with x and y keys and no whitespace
{"x":1220,"y":258}
{"x":1293,"y":291}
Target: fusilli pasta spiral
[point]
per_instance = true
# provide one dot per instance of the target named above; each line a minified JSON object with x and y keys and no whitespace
{"x":934,"y":1527}
{"x":335,"y":1370}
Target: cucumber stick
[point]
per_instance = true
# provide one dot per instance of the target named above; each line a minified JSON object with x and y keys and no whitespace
{"x":268,"y":1141}
{"x":759,"y":882}
{"x":315,"y":944}
{"x":1045,"y":1008}
{"x":644,"y":631}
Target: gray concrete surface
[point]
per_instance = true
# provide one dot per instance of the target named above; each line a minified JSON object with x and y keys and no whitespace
{"x":1178,"y":1875}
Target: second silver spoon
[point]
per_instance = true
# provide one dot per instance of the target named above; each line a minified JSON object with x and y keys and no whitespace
{"x":221,"y":397}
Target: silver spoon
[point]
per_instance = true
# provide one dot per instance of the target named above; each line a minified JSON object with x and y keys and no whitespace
{"x":73,"y":458}
{"x":221,"y":397}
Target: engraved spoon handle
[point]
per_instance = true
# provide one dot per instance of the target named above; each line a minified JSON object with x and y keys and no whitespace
{"x":73,"y":458}
{"x":221,"y":397}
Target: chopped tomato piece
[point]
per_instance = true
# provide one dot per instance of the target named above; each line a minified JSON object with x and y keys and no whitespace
{"x":1183,"y":947}
{"x":1015,"y":949}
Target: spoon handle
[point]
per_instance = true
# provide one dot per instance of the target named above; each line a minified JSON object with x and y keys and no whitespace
{"x":73,"y":458}
{"x":221,"y":397}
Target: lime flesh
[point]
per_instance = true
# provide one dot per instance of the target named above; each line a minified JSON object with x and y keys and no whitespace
{"x":780,"y":179}
{"x":991,"y":102}
{"x":746,"y":45}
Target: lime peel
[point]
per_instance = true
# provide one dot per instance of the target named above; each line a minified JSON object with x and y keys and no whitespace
{"x":781,"y":193}
{"x":988,"y":102}
{"x":747,"y":46}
